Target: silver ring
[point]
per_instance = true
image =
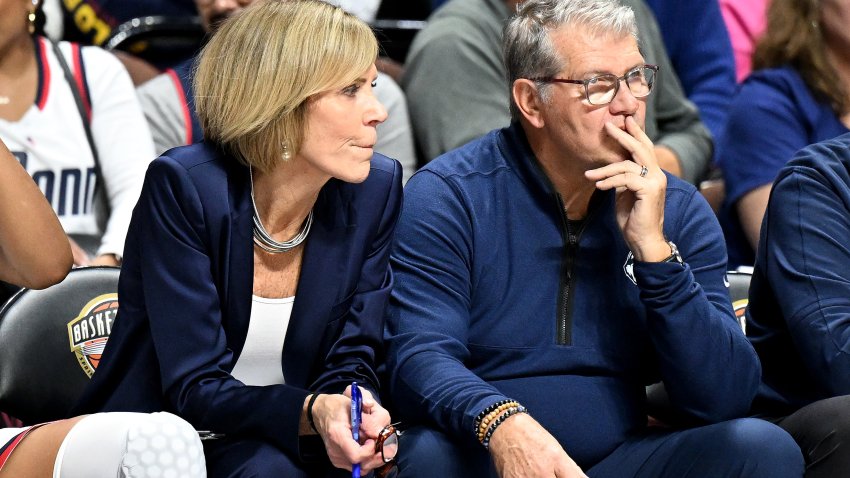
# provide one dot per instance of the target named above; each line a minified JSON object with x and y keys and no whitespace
{"x":643,"y":171}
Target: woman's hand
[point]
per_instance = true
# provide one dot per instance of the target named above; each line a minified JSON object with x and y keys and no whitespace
{"x":332,"y":417}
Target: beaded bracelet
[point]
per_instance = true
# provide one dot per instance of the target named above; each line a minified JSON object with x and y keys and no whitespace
{"x":482,"y":431}
{"x":310,"y":412}
{"x":487,"y":411}
{"x":511,"y":412}
{"x":485,"y":423}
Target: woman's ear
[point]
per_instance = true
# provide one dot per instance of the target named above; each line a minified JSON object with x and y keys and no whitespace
{"x":528,"y":102}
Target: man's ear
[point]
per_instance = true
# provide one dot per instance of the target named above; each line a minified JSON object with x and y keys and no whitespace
{"x":528,"y":101}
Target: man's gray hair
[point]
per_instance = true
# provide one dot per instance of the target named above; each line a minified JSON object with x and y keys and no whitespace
{"x":528,"y":50}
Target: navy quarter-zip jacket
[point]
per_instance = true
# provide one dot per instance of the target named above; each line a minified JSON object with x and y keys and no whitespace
{"x":497,"y":295}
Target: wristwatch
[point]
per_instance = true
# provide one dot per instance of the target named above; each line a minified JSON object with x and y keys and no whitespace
{"x":674,"y":255}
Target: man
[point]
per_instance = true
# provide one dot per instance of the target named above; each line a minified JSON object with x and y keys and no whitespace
{"x":454,"y":81}
{"x":168,"y":106}
{"x":545,"y":273}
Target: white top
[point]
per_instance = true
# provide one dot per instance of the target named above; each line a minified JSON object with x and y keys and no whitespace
{"x":50,"y":142}
{"x":260,"y":362}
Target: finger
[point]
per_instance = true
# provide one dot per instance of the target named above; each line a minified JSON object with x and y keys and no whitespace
{"x":639,"y":152}
{"x":630,"y":181}
{"x":610,"y":170}
{"x":637,"y":132}
{"x":368,"y":404}
{"x":347,"y":391}
{"x":373,"y":462}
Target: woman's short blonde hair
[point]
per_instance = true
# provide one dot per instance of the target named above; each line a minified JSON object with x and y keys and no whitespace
{"x":255,"y":77}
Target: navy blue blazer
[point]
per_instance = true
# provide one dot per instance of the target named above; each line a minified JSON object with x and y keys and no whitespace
{"x":185,"y":298}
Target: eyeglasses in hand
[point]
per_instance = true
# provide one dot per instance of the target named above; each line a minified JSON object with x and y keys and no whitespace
{"x":387,"y":445}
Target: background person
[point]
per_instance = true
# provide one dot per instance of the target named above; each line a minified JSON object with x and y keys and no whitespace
{"x":256,"y":275}
{"x":43,"y":126}
{"x":798,"y":94}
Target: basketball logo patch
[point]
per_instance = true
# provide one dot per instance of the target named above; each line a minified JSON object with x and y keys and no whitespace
{"x":90,"y":330}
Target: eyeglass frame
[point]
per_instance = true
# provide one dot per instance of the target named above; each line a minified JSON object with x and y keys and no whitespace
{"x":383,"y":436}
{"x":586,"y":82}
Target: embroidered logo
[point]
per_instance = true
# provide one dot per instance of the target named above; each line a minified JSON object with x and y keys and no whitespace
{"x":629,"y":267}
{"x":90,"y":330}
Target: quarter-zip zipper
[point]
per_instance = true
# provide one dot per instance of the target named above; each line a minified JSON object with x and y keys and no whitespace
{"x":565,"y":316}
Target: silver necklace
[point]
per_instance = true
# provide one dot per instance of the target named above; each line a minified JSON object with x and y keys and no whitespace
{"x":264,"y":240}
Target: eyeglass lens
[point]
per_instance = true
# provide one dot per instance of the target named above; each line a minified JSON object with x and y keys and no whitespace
{"x":602,"y":89}
{"x":389,"y":444}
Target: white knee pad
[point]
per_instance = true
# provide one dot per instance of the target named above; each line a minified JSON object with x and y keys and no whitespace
{"x":131,"y":445}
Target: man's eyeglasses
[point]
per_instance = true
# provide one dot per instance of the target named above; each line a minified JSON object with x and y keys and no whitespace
{"x":602,"y":89}
{"x":387,"y":444}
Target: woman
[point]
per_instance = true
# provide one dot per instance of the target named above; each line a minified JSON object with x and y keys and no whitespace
{"x":44,"y":127}
{"x":256,"y":269}
{"x":798,"y":94}
{"x":35,"y":253}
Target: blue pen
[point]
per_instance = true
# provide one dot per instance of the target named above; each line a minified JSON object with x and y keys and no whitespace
{"x":356,"y":417}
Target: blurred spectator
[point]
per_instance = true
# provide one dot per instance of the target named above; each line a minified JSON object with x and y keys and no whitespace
{"x":46,"y":129}
{"x":91,"y":22}
{"x":745,"y":21}
{"x":167,"y":104}
{"x":699,"y":48}
{"x":799,"y":306}
{"x":796,"y":95}
{"x":366,"y":10}
{"x":456,"y":90}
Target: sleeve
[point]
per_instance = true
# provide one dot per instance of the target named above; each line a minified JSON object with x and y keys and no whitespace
{"x":708,"y":366}
{"x":356,"y":353}
{"x":446,"y":72}
{"x":123,"y":142}
{"x":764,"y":131}
{"x":701,"y":53}
{"x":395,"y":135}
{"x":429,"y":315}
{"x":678,"y":122}
{"x":806,"y":257}
{"x":164,"y":111}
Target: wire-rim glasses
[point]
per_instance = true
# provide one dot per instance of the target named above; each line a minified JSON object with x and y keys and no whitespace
{"x":602,"y":89}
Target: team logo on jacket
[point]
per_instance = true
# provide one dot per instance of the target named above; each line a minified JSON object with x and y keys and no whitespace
{"x":629,"y":267}
{"x":90,"y":330}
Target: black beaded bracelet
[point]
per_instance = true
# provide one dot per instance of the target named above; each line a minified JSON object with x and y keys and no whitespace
{"x":490,"y":430}
{"x":310,"y":412}
{"x":488,"y":411}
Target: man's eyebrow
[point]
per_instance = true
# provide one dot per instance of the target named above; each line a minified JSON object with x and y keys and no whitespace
{"x":592,"y":73}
